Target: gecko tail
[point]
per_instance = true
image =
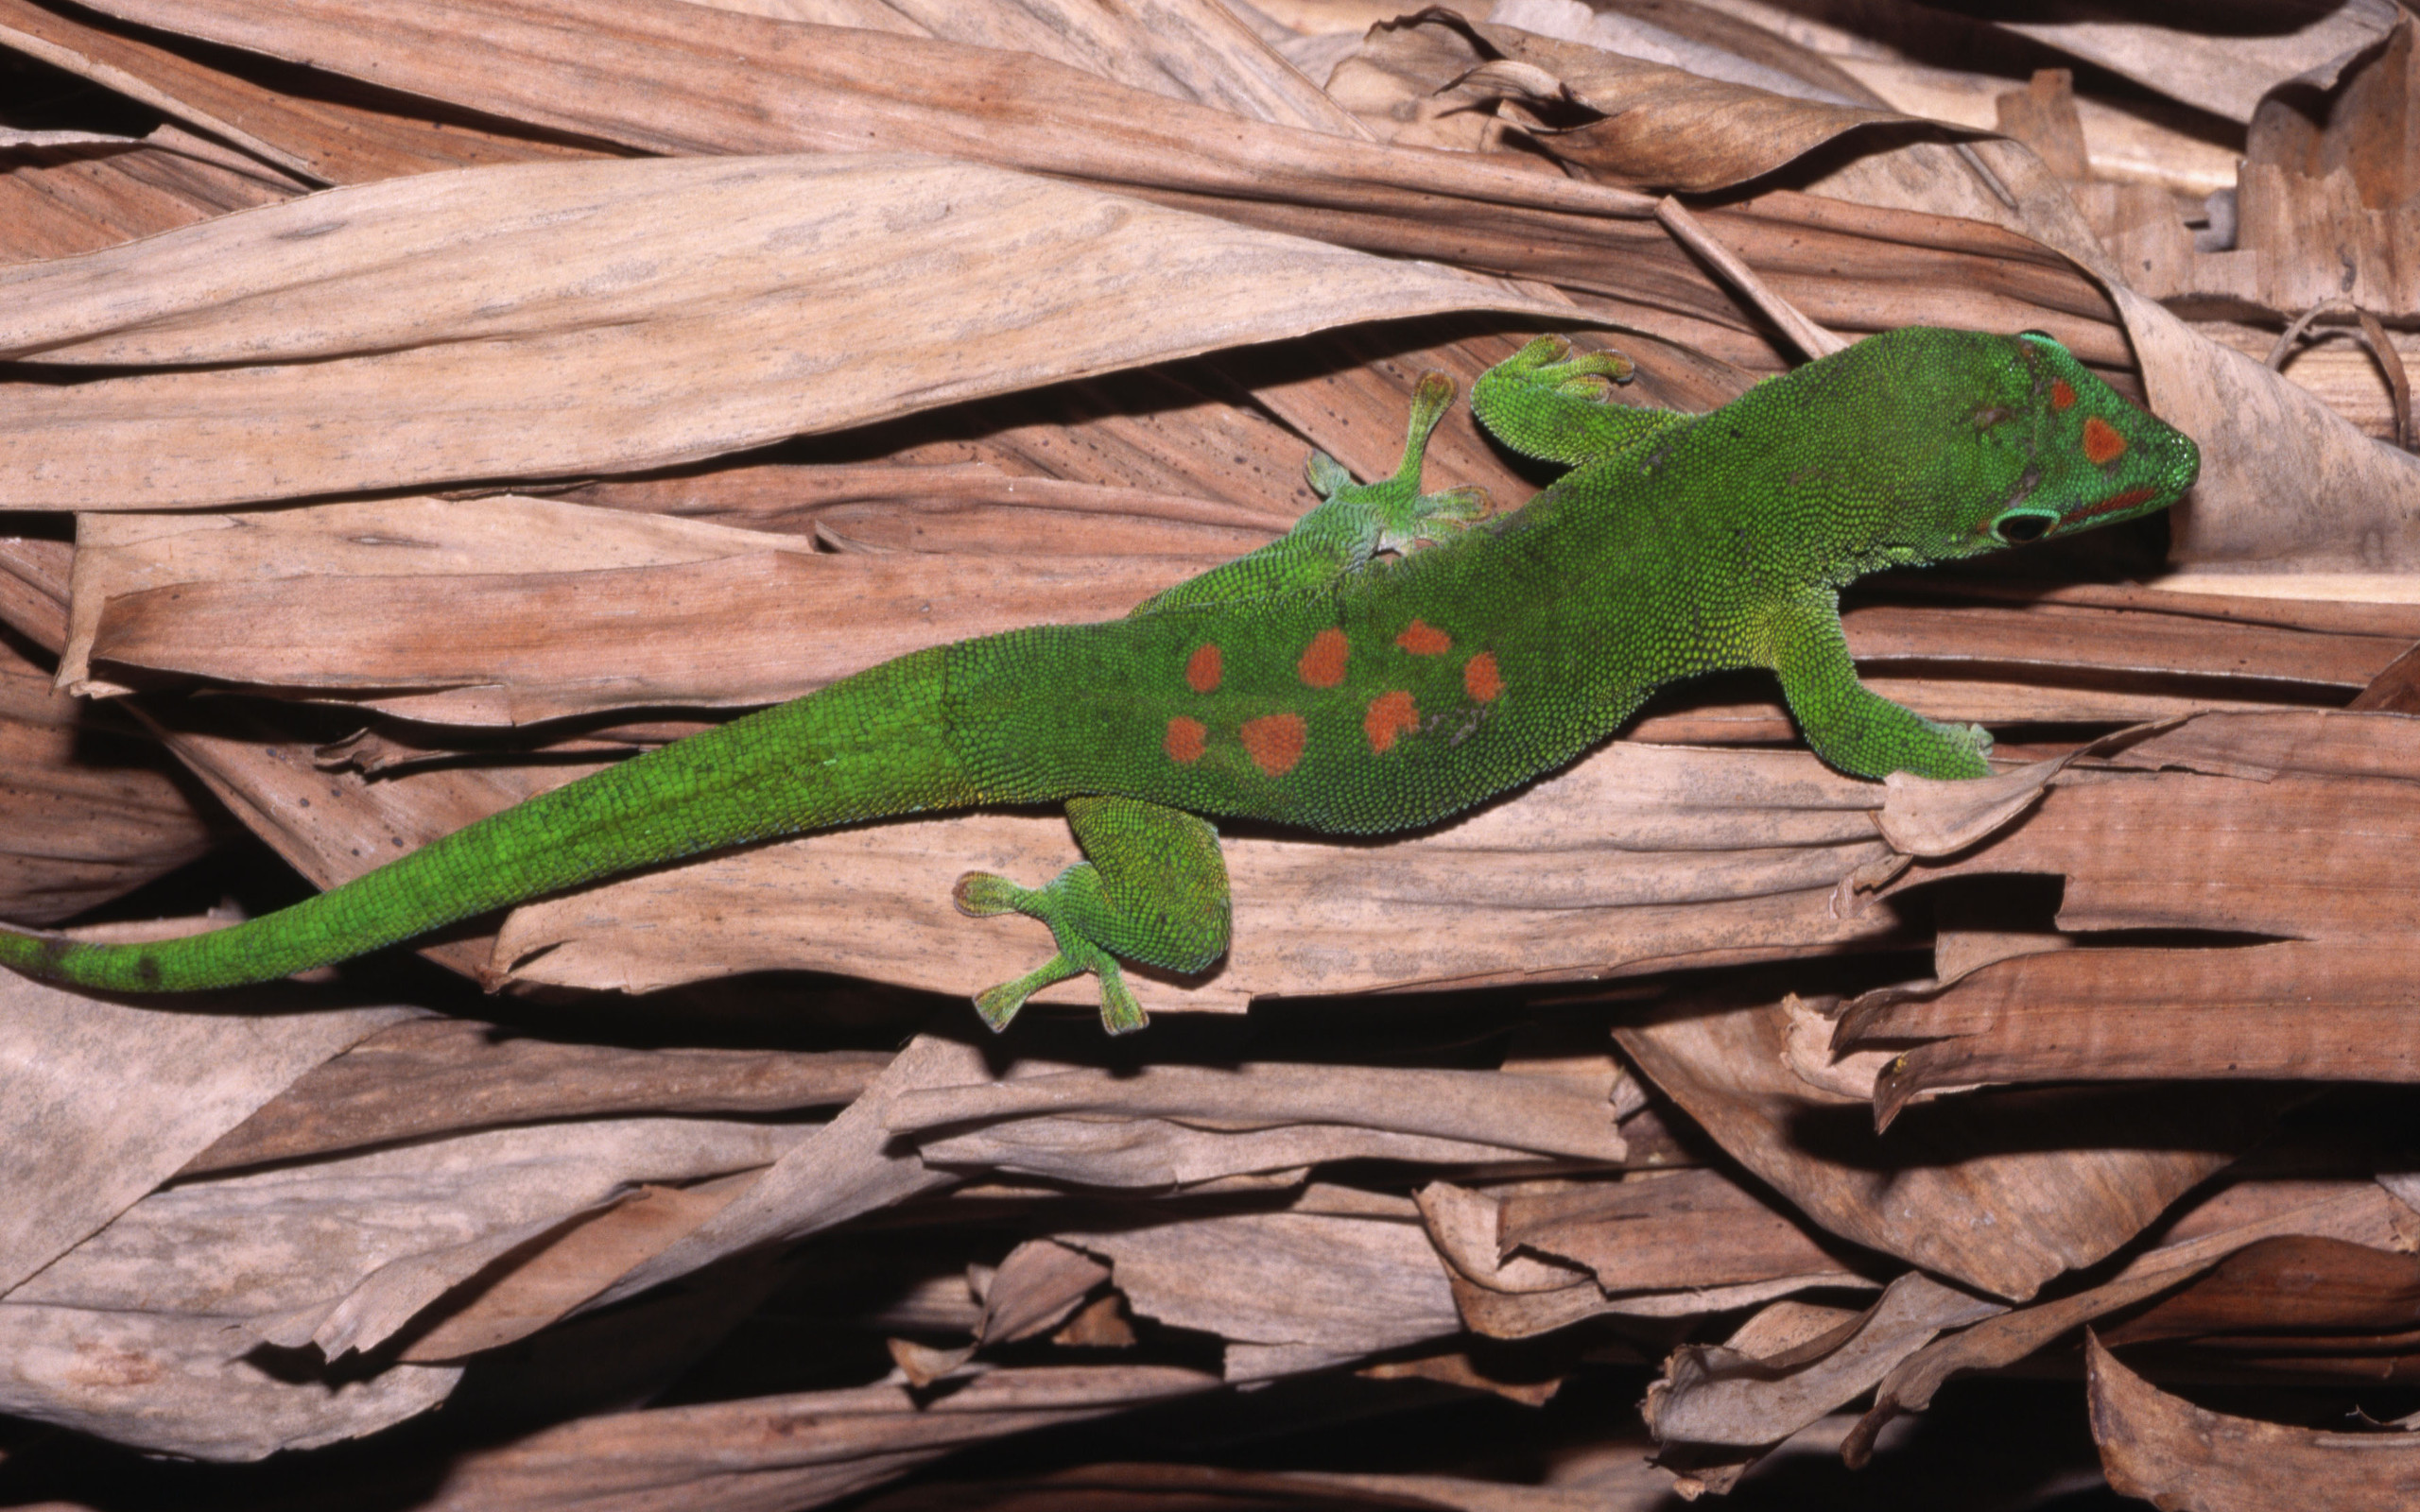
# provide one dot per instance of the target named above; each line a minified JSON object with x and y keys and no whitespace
{"x":869,"y":746}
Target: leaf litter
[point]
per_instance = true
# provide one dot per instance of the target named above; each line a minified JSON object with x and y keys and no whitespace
{"x":403,"y":417}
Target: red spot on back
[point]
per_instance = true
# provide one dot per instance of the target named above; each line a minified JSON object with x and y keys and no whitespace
{"x":1274,"y":742}
{"x":1480,"y":680}
{"x":1323,"y":663}
{"x":1185,"y":739}
{"x":2103,"y":445}
{"x":1203,"y":668}
{"x":2063,"y":395}
{"x":1390,"y":714}
{"x":1421,"y":638}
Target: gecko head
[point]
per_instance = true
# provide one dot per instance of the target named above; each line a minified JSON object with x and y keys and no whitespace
{"x":2093,"y":458}
{"x":1967,"y":443}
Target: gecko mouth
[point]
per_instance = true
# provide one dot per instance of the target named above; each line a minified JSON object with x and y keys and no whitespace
{"x":2112,"y":505}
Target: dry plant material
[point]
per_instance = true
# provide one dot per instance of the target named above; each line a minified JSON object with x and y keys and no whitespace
{"x":1988,"y":1205}
{"x":604,"y":317}
{"x":84,"y":817}
{"x":803,"y":1450}
{"x":2168,"y":1450}
{"x":437,"y":1076}
{"x":2320,"y":1012}
{"x":963,"y":252}
{"x":1289,"y":1291}
{"x":2233,"y":1218}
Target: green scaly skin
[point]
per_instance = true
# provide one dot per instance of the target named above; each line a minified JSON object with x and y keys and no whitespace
{"x":1311,"y":684}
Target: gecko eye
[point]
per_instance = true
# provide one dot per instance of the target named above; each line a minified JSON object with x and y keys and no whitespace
{"x":2018,"y":527}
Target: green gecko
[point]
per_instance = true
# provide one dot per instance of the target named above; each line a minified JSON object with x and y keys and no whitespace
{"x":1316,"y":683}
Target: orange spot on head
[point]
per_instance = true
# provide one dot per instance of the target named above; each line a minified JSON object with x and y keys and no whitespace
{"x":2063,"y":395}
{"x":1480,"y":680}
{"x":1203,"y":668}
{"x":1185,"y":739}
{"x":1323,"y":663}
{"x":1274,"y":742}
{"x":1421,"y":638}
{"x":2103,"y":445}
{"x":1390,"y":714}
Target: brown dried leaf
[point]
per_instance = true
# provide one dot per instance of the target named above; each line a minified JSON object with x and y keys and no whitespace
{"x":2225,"y":72}
{"x":572,"y":316}
{"x":316,"y":140}
{"x":2162,"y":1449}
{"x":86,"y":814}
{"x":451,"y":1076}
{"x":850,"y":1166}
{"x":2219,"y":1226}
{"x":1990,"y":1206}
{"x":2329,"y":1012}
{"x":546,"y":1278}
{"x":675,"y":77}
{"x":1288,"y":1292}
{"x":104,"y":1102}
{"x":803,"y":1450}
{"x":2274,"y":1295}
{"x":1719,"y":1395}
{"x":1534,"y":1113}
{"x":340,"y":1254}
{"x":1665,"y":1231}
{"x":1507,"y":1295}
{"x":2318,"y":853}
{"x":1669,"y":128}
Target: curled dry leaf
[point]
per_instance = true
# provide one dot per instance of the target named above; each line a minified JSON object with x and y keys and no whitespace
{"x":450,"y":1076}
{"x":2232,"y":1218}
{"x":1667,"y":1255}
{"x":1540,"y":1114}
{"x":719,"y":621}
{"x":1669,"y":128}
{"x":2225,"y":73}
{"x":340,"y":1254}
{"x":1290,"y":1291}
{"x":800,"y":1450}
{"x":2318,"y":853}
{"x":2289,"y":1298}
{"x":566,"y":317}
{"x":2337,"y":1011}
{"x":1721,"y":1394}
{"x":1991,"y":1206}
{"x":848,"y":1167}
{"x":103,"y":1102}
{"x":2166,"y":1450}
{"x":85,"y":814}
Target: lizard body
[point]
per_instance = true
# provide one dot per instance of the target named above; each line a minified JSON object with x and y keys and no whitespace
{"x":1314,"y":684}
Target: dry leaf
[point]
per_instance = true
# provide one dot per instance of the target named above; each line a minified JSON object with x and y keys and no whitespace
{"x":104,"y":1101}
{"x":2232,"y":1218}
{"x":800,"y":1450}
{"x":1989,"y":1206}
{"x":566,"y":317}
{"x":2163,"y":1449}
{"x":1289,"y":1292}
{"x":1721,"y":1394}
{"x":451,"y":1076}
{"x":2331,"y":1012}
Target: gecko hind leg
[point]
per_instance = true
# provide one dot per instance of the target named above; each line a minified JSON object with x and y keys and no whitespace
{"x":1154,"y":890}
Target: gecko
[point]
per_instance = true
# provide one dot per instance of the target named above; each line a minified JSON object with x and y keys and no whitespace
{"x":1337,"y":679}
